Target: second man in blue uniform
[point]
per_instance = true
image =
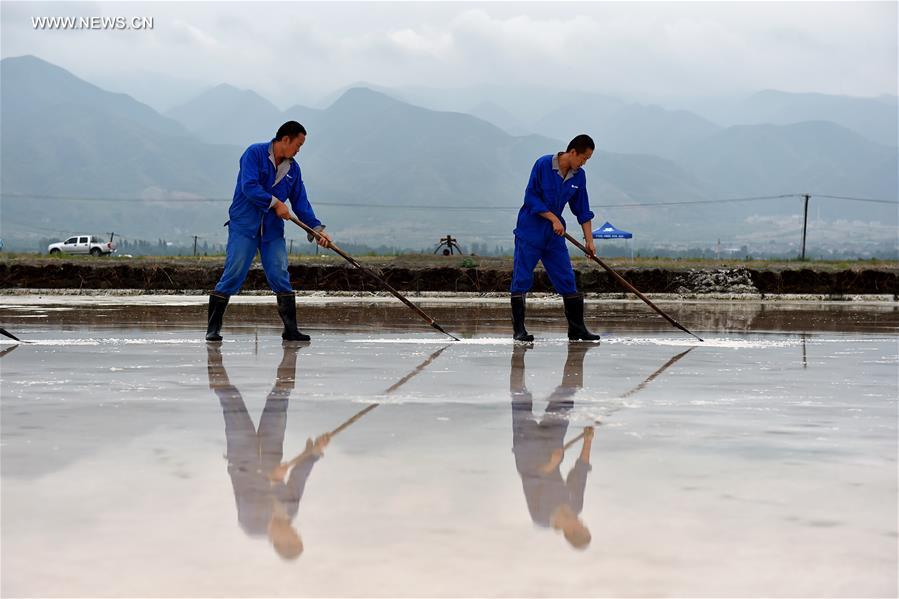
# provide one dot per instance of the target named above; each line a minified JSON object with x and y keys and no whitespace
{"x":556,"y":180}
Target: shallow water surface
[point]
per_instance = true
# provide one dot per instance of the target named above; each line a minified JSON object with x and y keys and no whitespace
{"x":138,"y":461}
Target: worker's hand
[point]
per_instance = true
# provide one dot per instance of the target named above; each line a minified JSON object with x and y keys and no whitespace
{"x":554,"y":460}
{"x":323,"y":239}
{"x":281,"y":210}
{"x":321,"y":442}
{"x":588,"y":433}
{"x":279,"y":472}
{"x":558,"y":227}
{"x":591,"y":246}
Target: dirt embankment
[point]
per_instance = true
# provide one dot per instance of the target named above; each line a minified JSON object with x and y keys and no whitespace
{"x":495,"y":277}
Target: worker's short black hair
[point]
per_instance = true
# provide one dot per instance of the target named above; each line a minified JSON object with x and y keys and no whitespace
{"x":581,"y":144}
{"x":291,"y":129}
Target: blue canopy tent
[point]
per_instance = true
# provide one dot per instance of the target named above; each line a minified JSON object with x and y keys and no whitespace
{"x":610,"y":231}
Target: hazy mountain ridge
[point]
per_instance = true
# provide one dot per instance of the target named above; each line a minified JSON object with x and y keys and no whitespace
{"x":539,"y":107}
{"x":629,"y":127}
{"x":40,"y":86}
{"x":64,"y":136}
{"x":246,"y":112}
{"x":813,"y":155}
{"x":873,"y":118}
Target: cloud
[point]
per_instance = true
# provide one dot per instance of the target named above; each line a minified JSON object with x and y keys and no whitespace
{"x":427,"y":43}
{"x":186,"y":33}
{"x":639,"y":49}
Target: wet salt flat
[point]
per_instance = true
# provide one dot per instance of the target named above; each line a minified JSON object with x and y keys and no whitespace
{"x":138,"y":461}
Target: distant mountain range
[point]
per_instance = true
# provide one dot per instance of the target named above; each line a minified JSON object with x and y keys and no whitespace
{"x":817,"y":156}
{"x":380,"y":170}
{"x":246,"y":113}
{"x":63,"y":137}
{"x":629,"y":127}
{"x":874,"y":118}
{"x":539,"y":110}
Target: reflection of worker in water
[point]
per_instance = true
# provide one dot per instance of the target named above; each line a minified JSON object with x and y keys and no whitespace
{"x":539,"y":448}
{"x":266,"y":503}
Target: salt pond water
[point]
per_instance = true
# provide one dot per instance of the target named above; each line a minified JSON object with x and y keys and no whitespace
{"x":137,"y":461}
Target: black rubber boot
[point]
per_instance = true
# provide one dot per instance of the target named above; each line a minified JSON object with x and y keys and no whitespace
{"x":287,"y":308}
{"x":574,"y":312}
{"x":573,"y":373}
{"x":519,"y":332}
{"x":215,"y":370}
{"x":217,"y":305}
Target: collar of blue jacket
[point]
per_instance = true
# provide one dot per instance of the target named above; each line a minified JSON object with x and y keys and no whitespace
{"x":257,"y":183}
{"x":571,"y":172}
{"x":283,"y":167}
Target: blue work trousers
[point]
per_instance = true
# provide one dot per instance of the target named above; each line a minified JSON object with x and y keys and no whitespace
{"x":239,"y":257}
{"x":555,"y":260}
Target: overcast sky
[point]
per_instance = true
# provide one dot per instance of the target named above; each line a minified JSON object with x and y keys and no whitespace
{"x":299,"y":52}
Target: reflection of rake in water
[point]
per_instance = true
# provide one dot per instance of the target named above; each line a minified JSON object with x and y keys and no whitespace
{"x":281,"y":470}
{"x":418,"y":369}
{"x":634,"y":391}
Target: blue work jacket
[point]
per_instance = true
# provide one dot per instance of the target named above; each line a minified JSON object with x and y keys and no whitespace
{"x":256,"y":185}
{"x":548,"y":192}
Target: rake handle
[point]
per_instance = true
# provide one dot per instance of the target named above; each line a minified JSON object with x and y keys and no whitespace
{"x":627,"y":285}
{"x":332,"y":246}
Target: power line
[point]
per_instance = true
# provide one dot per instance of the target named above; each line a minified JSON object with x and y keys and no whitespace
{"x":876,"y":201}
{"x":110,"y":198}
{"x":516,"y":208}
{"x":451,"y":207}
{"x":55,"y":233}
{"x":193,"y":200}
{"x":691,"y":202}
{"x":31,"y":227}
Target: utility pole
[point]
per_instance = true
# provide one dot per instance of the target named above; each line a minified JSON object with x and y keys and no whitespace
{"x":290,"y":249}
{"x":804,"y":226}
{"x":195,"y":244}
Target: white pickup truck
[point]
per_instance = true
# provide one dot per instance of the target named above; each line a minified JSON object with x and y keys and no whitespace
{"x":82,"y":244}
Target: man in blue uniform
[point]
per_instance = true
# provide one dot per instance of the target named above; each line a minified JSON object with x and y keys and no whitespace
{"x":269,"y":177}
{"x":539,"y":446}
{"x":556,"y":180}
{"x":267,"y":494}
